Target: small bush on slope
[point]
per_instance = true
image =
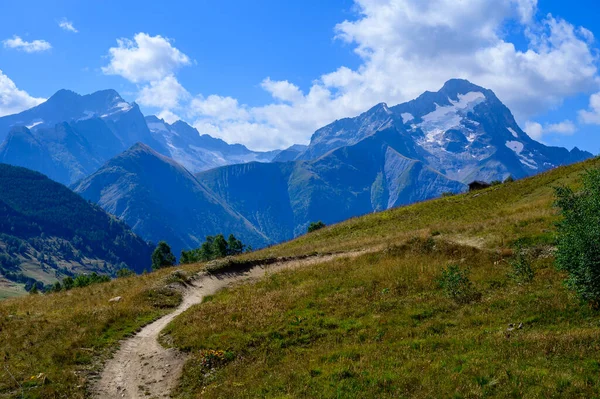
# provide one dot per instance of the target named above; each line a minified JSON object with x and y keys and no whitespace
{"x":314,"y":226}
{"x":579,"y":237}
{"x":456,"y":284}
{"x":522,"y":272}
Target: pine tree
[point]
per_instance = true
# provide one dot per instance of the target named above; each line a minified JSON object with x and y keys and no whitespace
{"x":219,"y":247}
{"x":235,"y":246}
{"x":162,"y":256}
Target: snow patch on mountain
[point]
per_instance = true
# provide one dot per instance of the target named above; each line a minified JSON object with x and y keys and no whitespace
{"x":124,"y":106}
{"x":407,"y":117}
{"x":511,"y":130}
{"x":516,"y":146}
{"x":444,"y":118}
{"x":34,"y":124}
{"x":530,"y":163}
{"x":525,"y":159}
{"x":157,"y":127}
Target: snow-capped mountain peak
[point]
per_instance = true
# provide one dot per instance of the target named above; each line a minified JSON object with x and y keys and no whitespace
{"x":463,"y":130}
{"x":68,"y":106}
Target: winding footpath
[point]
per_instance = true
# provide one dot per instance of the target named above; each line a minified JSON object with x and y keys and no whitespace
{"x":142,"y":368}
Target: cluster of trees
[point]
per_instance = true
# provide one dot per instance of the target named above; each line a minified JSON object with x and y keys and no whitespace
{"x":20,"y":278}
{"x":8,"y":262}
{"x":14,"y":245}
{"x":214,"y":247}
{"x":81,"y":280}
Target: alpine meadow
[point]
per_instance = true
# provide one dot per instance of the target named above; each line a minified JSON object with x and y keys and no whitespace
{"x":350,"y":199}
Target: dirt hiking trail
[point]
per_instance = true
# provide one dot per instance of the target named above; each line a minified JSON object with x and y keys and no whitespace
{"x":142,"y":368}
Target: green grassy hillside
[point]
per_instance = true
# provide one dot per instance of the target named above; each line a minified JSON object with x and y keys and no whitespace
{"x":372,"y":326}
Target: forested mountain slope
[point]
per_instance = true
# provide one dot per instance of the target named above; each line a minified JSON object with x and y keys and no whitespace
{"x":48,"y":232}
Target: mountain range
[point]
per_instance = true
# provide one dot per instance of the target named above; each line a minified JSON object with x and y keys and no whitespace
{"x":70,"y":136}
{"x":198,"y":152}
{"x":169,"y":182}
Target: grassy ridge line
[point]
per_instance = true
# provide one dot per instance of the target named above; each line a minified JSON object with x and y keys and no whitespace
{"x":489,"y":214}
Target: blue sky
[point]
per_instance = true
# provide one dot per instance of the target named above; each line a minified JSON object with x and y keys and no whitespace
{"x":268,"y":73}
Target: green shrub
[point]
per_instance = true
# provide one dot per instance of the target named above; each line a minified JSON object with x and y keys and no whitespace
{"x":56,"y":287}
{"x":522,"y":272}
{"x":83,"y":280}
{"x":125,"y":272}
{"x":578,"y":251}
{"x":456,"y":284}
{"x":68,"y":282}
{"x":314,"y":226}
{"x":34,"y":289}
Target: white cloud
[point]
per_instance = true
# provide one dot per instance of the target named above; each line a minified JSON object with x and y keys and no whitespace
{"x":168,"y":116}
{"x":219,"y":108}
{"x":29,"y":47}
{"x":145,"y":58}
{"x":591,"y":116}
{"x":536,"y":131}
{"x":13,"y":100}
{"x":566,"y":128}
{"x":282,"y":90}
{"x":526,"y":9}
{"x":243,"y":132}
{"x":151,"y":62}
{"x":67,"y":25}
{"x":166,"y":93}
{"x":409,"y":46}
{"x":586,"y":34}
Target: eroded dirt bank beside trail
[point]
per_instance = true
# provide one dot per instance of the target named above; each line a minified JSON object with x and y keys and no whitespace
{"x":142,"y":368}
